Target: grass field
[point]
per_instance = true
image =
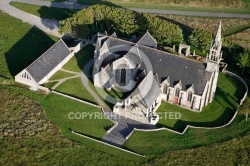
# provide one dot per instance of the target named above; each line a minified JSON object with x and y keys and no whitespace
{"x":18,"y":35}
{"x":218,"y":113}
{"x":60,"y":74}
{"x":28,"y":136}
{"x":228,"y":6}
{"x":75,"y":88}
{"x":44,"y":11}
{"x":241,"y":38}
{"x":77,"y":62}
{"x":50,"y":84}
{"x":42,"y":142}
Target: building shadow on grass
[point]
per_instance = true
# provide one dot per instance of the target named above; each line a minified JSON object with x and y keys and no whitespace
{"x":224,"y":119}
{"x":32,"y":45}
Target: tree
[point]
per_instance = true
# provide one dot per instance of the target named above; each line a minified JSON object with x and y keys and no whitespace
{"x":201,"y":39}
{"x":243,"y":60}
{"x":111,"y":18}
{"x":244,"y":108}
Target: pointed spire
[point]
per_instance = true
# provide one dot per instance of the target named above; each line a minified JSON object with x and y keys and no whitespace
{"x":218,"y":33}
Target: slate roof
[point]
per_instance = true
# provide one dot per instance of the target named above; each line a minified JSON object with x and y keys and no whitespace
{"x":147,"y":40}
{"x":41,"y":67}
{"x":168,"y":65}
{"x":148,"y":90}
{"x":178,"y":68}
{"x":134,"y":56}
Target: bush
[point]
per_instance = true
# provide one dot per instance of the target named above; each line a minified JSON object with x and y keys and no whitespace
{"x":201,"y":39}
{"x":110,"y":18}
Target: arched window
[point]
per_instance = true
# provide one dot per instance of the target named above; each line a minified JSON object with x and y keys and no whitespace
{"x":123,"y":76}
{"x":165,"y":89}
{"x":189,"y":98}
{"x":177,"y":92}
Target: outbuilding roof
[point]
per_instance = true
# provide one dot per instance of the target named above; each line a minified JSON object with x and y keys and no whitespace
{"x":42,"y":66}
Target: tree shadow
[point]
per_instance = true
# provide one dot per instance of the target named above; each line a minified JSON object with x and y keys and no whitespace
{"x":187,"y":30}
{"x":33,"y":44}
{"x":50,"y":16}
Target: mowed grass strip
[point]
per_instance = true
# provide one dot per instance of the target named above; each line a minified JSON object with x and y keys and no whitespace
{"x":219,"y":112}
{"x":60,"y":75}
{"x":229,"y":6}
{"x":78,"y":61}
{"x":44,"y":11}
{"x":70,"y":114}
{"x":74,"y":87}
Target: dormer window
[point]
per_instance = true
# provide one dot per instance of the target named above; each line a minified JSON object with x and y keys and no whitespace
{"x":189,"y":98}
{"x":177,"y":92}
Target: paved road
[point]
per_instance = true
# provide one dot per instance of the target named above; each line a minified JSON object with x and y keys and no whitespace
{"x":48,"y":26}
{"x":71,"y":4}
{"x":51,"y":26}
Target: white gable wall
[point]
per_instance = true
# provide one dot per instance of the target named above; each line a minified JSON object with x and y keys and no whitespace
{"x":24,"y":77}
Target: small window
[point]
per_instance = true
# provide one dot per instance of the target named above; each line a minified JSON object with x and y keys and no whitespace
{"x":189,"y":96}
{"x":177,"y":92}
{"x":165,"y":89}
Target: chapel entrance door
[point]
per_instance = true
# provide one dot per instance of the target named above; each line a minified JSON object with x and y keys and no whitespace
{"x":176,"y":100}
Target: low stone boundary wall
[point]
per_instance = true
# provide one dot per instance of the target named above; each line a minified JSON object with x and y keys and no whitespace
{"x":184,"y":131}
{"x":114,"y":122}
{"x":241,"y":80}
{"x":43,"y":88}
{"x":82,"y":135}
{"x":76,"y":99}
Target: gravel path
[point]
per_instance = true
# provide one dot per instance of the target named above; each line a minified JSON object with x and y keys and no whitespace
{"x":48,"y":26}
{"x":85,"y":81}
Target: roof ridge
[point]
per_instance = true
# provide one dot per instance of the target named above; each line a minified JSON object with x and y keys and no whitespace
{"x":47,"y":51}
{"x":178,"y":56}
{"x":145,"y":35}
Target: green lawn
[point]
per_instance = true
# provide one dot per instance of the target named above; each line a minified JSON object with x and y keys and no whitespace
{"x":74,"y":87}
{"x":174,"y":5}
{"x":60,"y":74}
{"x":43,"y":141}
{"x":235,"y":30}
{"x":59,"y":113}
{"x":218,"y":113}
{"x":77,"y":62}
{"x":44,"y":11}
{"x":20,"y":45}
{"x":50,"y":84}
